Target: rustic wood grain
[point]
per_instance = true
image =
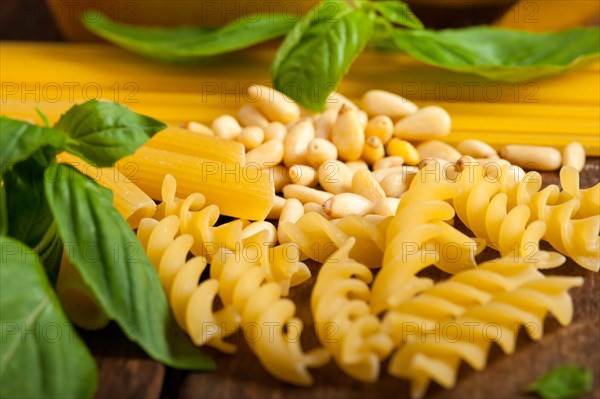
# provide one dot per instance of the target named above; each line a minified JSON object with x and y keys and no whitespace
{"x":125,"y":372}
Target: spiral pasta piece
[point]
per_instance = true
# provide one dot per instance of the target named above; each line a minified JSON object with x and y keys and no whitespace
{"x":434,"y":350}
{"x":192,"y":302}
{"x":319,"y":238}
{"x":267,"y":319}
{"x":417,"y":237}
{"x":346,"y":327}
{"x":589,"y":198}
{"x":484,"y":210}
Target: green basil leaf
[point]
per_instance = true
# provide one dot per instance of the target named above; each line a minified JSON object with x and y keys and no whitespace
{"x":563,"y":382}
{"x":191,"y":44}
{"x":500,"y":54}
{"x":318,"y":52}
{"x":28,"y":215}
{"x":397,"y":12}
{"x":3,"y":209}
{"x":42,"y":356}
{"x":110,"y":260}
{"x":20,"y":140}
{"x":104,"y":131}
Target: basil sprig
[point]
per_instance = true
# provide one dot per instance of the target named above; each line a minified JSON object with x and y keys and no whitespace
{"x":320,"y":48}
{"x":564,"y":382}
{"x":46,"y":207}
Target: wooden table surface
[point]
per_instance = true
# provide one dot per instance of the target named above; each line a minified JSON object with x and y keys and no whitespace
{"x":126,"y":372}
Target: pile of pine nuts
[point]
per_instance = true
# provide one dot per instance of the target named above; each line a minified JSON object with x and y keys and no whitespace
{"x":350,"y":160}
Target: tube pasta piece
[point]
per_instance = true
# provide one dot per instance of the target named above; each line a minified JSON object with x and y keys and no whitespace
{"x":418,"y":237}
{"x":483,"y":209}
{"x":184,"y":141}
{"x":244,"y":287}
{"x":339,"y":298}
{"x":128,"y":199}
{"x":318,"y":238}
{"x":238,"y":191}
{"x":503,"y":293}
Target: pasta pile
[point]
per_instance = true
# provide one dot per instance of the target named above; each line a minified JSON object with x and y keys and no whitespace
{"x":372,"y":194}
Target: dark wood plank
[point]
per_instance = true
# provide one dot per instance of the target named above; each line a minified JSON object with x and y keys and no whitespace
{"x":125,"y":370}
{"x":505,"y":375}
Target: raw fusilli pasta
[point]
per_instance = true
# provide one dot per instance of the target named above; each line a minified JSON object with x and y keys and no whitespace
{"x":345,"y":325}
{"x":417,"y":237}
{"x":318,"y":237}
{"x":483,"y":209}
{"x":460,"y":318}
{"x":267,"y":319}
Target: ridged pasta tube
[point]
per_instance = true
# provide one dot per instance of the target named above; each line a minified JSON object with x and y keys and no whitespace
{"x":345,"y":325}
{"x":459,"y":319}
{"x":417,"y":237}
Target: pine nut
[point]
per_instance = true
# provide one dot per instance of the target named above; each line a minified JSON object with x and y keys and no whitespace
{"x":335,"y":177}
{"x":365,"y":185}
{"x":389,"y":162}
{"x":335,"y":101}
{"x":275,"y":131}
{"x":278,"y":203}
{"x":476,"y":149}
{"x":438,"y":149}
{"x":259,"y":227}
{"x":305,"y":194}
{"x":428,"y":123}
{"x":386,"y":206}
{"x":407,"y":173}
{"x":296,"y":141}
{"x":345,"y":204}
{"x":380,"y":126}
{"x":395,"y":184}
{"x":373,"y":150}
{"x":291,"y":212}
{"x":199,"y":128}
{"x":266,"y":154}
{"x":574,"y":155}
{"x":532,"y":157}
{"x":303,"y":175}
{"x":226,"y":127}
{"x":355,"y":166}
{"x":380,"y":102}
{"x":314,"y":207}
{"x":251,"y":137}
{"x":347,"y":135}
{"x":363,"y":118}
{"x":279,"y":176}
{"x":320,"y":151}
{"x":248,"y":115}
{"x":276,"y":106}
{"x":404,"y":149}
{"x":325,"y":123}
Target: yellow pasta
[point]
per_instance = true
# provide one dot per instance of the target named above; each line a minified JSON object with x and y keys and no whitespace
{"x":571,"y":236}
{"x":184,"y":141}
{"x":483,"y":209}
{"x":128,"y":199}
{"x":267,"y":320}
{"x":418,"y":236}
{"x":459,"y":319}
{"x":239,"y":191}
{"x":318,"y":237}
{"x":346,"y":327}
